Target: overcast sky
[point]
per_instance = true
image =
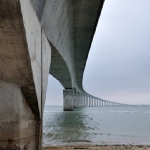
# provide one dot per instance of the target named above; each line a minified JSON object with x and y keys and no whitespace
{"x":118,"y":65}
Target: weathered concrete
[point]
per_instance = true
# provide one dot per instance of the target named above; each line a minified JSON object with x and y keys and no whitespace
{"x":15,"y":66}
{"x":17,"y":122}
{"x":24,"y":66}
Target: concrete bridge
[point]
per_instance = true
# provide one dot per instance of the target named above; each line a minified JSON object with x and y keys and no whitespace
{"x":38,"y":37}
{"x":85,"y":100}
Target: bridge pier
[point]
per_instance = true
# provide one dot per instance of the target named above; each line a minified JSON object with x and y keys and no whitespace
{"x":82,"y":100}
{"x":18,"y":126}
{"x":68,"y":99}
{"x":75,"y":102}
{"x":85,"y":101}
{"x":24,"y":67}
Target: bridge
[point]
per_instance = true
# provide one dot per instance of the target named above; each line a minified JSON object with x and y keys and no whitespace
{"x":38,"y":37}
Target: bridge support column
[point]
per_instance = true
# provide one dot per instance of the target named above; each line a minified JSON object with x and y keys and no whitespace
{"x":18,"y":126}
{"x":79,"y":100}
{"x":68,"y":99}
{"x":75,"y":102}
{"x":25,"y":59}
{"x":87,"y":98}
{"x":89,"y":101}
{"x":84,"y":101}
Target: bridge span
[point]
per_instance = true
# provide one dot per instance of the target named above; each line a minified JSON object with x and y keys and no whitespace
{"x":38,"y":37}
{"x":74,"y":100}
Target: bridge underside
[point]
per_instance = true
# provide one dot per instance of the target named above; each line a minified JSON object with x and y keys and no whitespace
{"x":33,"y":35}
{"x":74,"y":23}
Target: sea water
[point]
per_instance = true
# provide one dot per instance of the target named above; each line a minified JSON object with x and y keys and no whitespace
{"x":97,"y":125}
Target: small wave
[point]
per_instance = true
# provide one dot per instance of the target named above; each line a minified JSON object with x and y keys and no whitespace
{"x":146,"y":112}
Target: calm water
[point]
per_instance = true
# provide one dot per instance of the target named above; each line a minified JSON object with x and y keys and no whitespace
{"x":97,"y":125}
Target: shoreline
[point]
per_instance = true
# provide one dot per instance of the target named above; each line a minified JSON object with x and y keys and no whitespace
{"x":98,"y":147}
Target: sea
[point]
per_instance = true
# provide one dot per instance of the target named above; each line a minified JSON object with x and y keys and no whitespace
{"x":97,"y":125}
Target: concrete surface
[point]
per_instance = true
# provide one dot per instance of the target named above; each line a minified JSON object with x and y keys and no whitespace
{"x":68,"y":100}
{"x":70,"y":25}
{"x":17,"y":121}
{"x":15,"y":66}
{"x":46,"y":61}
{"x":33,"y":36}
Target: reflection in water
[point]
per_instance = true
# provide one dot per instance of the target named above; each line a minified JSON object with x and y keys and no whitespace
{"x":67,"y":126}
{"x":97,"y":125}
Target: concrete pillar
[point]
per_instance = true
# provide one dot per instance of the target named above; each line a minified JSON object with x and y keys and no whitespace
{"x":18,"y":125}
{"x":24,"y":65}
{"x":80,"y":100}
{"x":85,"y":101}
{"x":90,"y":101}
{"x":75,"y":103}
{"x":68,"y":99}
{"x":104,"y":103}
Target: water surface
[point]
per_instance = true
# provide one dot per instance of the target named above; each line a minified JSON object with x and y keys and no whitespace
{"x":97,"y":125}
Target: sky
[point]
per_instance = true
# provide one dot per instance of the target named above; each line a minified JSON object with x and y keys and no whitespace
{"x":118,"y":65}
